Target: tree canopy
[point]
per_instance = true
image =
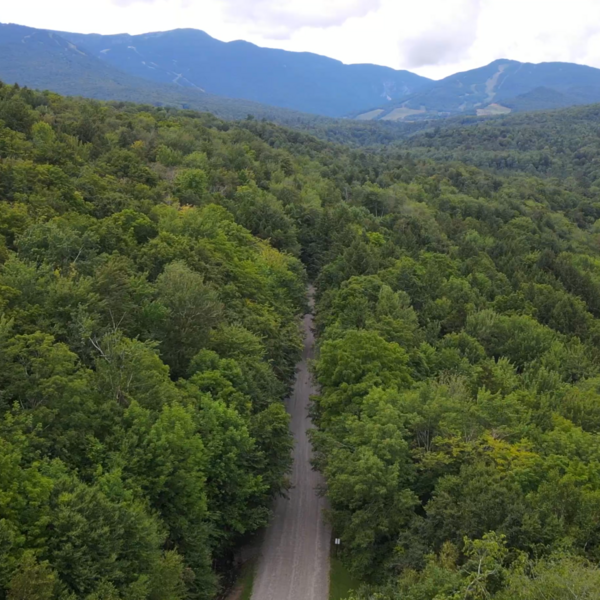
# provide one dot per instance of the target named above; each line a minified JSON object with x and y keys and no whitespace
{"x":153,"y":267}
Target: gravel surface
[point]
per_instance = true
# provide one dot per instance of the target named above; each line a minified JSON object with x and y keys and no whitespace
{"x":294,"y":562}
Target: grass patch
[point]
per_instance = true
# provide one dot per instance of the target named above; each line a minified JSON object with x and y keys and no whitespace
{"x":341,"y":582}
{"x":399,"y":114}
{"x":369,"y":115}
{"x":493,"y":110}
{"x":247,"y":580}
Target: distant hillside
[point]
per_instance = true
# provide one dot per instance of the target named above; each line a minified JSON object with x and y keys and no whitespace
{"x":541,"y":98}
{"x":46,"y":60}
{"x":559,"y":143}
{"x":297,"y":80}
{"x":501,"y":87}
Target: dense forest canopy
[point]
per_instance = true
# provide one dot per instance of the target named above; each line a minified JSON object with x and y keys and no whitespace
{"x":153,"y":269}
{"x":146,"y":343}
{"x":562,"y":144}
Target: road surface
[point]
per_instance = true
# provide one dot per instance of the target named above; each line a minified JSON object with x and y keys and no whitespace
{"x":294,"y":562}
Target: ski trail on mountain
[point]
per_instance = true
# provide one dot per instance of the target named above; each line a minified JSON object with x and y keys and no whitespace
{"x":294,"y":562}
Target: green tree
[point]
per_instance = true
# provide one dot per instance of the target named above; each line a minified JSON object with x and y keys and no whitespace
{"x":32,"y":581}
{"x":192,"y":310}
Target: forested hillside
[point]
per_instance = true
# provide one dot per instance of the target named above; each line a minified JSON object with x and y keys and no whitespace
{"x":564,"y":144}
{"x":153,"y":266}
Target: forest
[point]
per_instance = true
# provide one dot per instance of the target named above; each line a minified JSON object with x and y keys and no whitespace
{"x":559,"y":144}
{"x":153,"y":268}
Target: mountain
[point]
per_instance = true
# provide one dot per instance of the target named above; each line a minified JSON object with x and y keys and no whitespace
{"x":501,"y":87}
{"x":187,"y":68}
{"x":47,"y":60}
{"x":300,"y":81}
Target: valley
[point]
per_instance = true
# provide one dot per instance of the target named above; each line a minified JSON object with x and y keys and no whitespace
{"x":277,"y":327}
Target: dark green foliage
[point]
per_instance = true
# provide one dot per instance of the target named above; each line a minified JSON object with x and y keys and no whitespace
{"x":147,"y":341}
{"x":459,"y":362}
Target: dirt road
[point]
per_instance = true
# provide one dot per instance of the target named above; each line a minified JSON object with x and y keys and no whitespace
{"x":294,"y":563}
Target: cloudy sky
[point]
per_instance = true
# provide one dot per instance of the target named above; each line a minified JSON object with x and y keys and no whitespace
{"x":431,"y":37}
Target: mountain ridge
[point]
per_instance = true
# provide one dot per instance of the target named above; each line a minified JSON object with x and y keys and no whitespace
{"x":502,"y":86}
{"x":302,"y":81}
{"x":188,"y":68}
{"x":44,"y":59}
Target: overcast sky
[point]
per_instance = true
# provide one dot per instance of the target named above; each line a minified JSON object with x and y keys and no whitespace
{"x":434,"y":38}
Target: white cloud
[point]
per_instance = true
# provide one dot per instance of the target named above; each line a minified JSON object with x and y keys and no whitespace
{"x":130,"y":2}
{"x":126,"y":3}
{"x":443,"y":35}
{"x":278,"y":19}
{"x":432,"y":37}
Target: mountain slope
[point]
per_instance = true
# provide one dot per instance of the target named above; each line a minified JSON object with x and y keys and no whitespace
{"x":46,"y":60}
{"x":297,"y":80}
{"x":500,"y":87}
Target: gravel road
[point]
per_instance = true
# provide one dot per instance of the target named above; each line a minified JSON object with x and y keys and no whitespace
{"x":294,"y":562}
